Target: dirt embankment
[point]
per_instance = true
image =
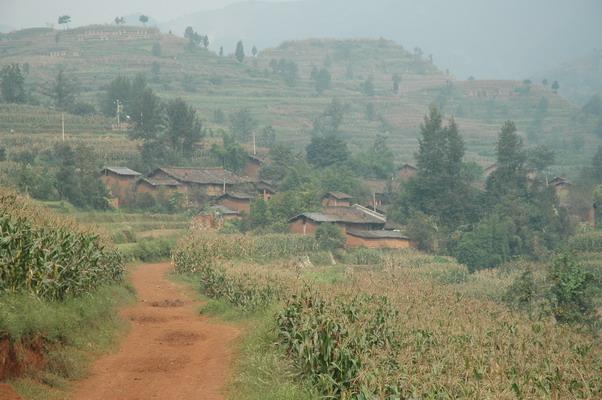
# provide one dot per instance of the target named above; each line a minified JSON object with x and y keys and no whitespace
{"x":171,"y":352}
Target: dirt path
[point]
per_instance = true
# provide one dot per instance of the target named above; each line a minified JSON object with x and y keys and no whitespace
{"x":170,"y":352}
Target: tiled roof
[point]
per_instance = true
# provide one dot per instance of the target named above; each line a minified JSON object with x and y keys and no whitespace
{"x":125,"y":171}
{"x":377,"y":234}
{"x":203,"y":175}
{"x":238,"y":196}
{"x":161,"y":181}
{"x":352,"y":215}
{"x":339,"y":195}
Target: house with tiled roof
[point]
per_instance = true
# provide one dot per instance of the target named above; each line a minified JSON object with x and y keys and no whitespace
{"x":336,"y":199}
{"x":208,"y":182}
{"x":120,"y":182}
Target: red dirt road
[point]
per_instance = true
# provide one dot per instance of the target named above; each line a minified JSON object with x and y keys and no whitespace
{"x":170,"y":352}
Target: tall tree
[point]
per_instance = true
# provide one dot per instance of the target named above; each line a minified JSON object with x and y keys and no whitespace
{"x":510,"y":173}
{"x":242,"y":125}
{"x":240,"y":52}
{"x":64,"y":90}
{"x":183,"y":128}
{"x":440,"y":187}
{"x":254,"y":51}
{"x":321,"y":78}
{"x":12,"y":84}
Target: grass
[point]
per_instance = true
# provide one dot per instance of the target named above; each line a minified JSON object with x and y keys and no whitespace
{"x":74,"y":332}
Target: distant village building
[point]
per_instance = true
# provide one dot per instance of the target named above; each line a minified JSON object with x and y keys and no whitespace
{"x":253,"y":167}
{"x":215,"y":217}
{"x":336,"y":199}
{"x":164,"y":185}
{"x":354,"y":217}
{"x":265,"y":189}
{"x":561,"y":187}
{"x":379,"y":239}
{"x":406,"y":172}
{"x":240,"y":202}
{"x":120,"y":181}
{"x":208,"y":182}
{"x":378,"y":193}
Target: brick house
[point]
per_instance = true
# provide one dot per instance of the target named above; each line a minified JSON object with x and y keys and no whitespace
{"x":379,"y":193}
{"x":354,"y":217}
{"x":204,"y":182}
{"x":121,"y":182}
{"x":240,"y":202}
{"x":253,"y":167}
{"x":336,"y":199}
{"x":406,"y":172}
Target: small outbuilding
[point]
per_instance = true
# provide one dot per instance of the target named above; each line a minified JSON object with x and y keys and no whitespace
{"x":406,"y":172}
{"x":379,"y":239}
{"x":240,"y":202}
{"x":336,"y":199}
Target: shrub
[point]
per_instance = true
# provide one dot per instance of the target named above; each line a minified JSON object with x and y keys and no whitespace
{"x":570,"y":293}
{"x":330,"y":237}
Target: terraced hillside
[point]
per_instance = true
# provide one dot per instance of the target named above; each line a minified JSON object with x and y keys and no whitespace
{"x":97,"y":54}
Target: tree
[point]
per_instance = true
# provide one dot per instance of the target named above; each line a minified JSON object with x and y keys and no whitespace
{"x":396,"y":78}
{"x":12,"y":84}
{"x":156,"y":72}
{"x":267,"y":137}
{"x":231,"y":154}
{"x":240,"y":52}
{"x":64,"y":90}
{"x":119,"y":20}
{"x":64,"y":20}
{"x":540,"y":158}
{"x":147,"y":113}
{"x":330,"y":237}
{"x":510,"y":173}
{"x":321,"y":78}
{"x":377,"y":161}
{"x":188,"y":32}
{"x":242,"y":124}
{"x":367,"y":87}
{"x":144,"y":19}
{"x":326,"y":150}
{"x":330,"y":120}
{"x":221,"y":51}
{"x":254,"y":51}
{"x":183,"y":128}
{"x":156,"y":49}
{"x":440,"y":187}
{"x":555,"y":86}
{"x":119,"y":90}
{"x":572,"y":292}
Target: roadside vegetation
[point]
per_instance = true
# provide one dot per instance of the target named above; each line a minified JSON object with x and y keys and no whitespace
{"x":60,"y":287}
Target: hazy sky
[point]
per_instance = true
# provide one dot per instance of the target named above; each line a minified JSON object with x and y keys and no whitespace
{"x":26,"y":13}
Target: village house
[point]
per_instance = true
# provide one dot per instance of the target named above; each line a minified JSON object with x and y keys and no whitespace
{"x":353,"y":217}
{"x":240,"y":202}
{"x":120,"y":182}
{"x":378,"y":199}
{"x":265,"y":189}
{"x":205,"y":182}
{"x":336,"y":199}
{"x":561,"y":187}
{"x":159,"y":187}
{"x":379,"y":239}
{"x":215,"y":217}
{"x":253,"y":167}
{"x":406,"y":172}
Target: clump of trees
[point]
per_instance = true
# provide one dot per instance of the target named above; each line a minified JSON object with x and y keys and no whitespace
{"x":287,"y":69}
{"x":322,"y":79}
{"x":12,"y":84}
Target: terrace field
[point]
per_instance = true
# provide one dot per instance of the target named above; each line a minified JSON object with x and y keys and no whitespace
{"x":97,"y":54}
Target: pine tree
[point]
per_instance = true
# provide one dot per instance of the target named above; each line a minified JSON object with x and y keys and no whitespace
{"x":510,"y":174}
{"x":12,"y":84}
{"x":240,"y":52}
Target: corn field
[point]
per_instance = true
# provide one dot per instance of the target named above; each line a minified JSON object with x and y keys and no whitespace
{"x":50,"y":257}
{"x":406,"y":329}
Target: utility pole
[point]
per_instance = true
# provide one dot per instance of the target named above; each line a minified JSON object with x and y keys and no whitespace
{"x":374,"y":201}
{"x":224,"y":188}
{"x":63,"y":124}
{"x":254,"y":146}
{"x":118,"y":112}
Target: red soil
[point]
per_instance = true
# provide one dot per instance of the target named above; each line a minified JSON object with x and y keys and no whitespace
{"x":171,"y":352}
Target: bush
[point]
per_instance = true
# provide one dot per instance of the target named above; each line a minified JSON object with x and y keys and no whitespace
{"x":330,"y":237}
{"x":571,"y":292}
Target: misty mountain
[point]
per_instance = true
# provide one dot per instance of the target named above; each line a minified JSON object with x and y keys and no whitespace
{"x":492,"y":39}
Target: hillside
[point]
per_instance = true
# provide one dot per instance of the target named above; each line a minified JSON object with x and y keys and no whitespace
{"x":97,"y":54}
